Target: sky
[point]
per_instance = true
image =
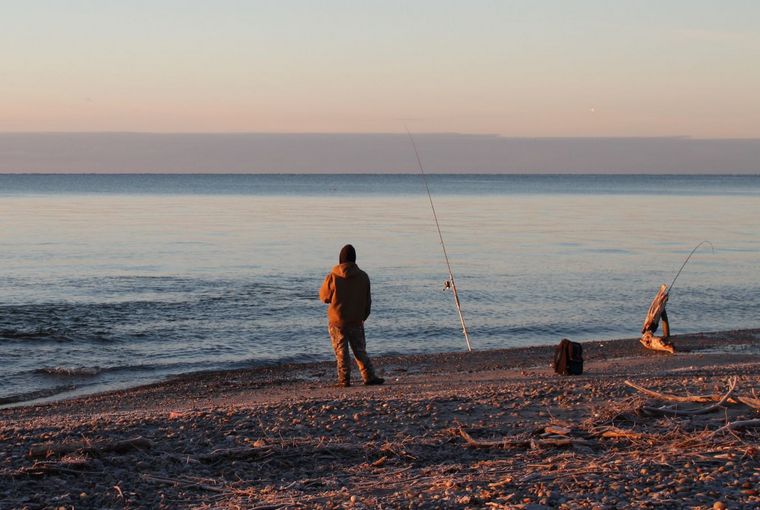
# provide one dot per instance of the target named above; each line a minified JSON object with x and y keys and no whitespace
{"x":536,"y":68}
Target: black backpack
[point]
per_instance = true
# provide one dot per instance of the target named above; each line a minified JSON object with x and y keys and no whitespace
{"x":568,"y":358}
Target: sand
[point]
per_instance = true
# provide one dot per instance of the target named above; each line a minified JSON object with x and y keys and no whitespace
{"x":284,"y":437}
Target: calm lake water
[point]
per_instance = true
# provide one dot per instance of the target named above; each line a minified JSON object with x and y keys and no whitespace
{"x":112,"y":281}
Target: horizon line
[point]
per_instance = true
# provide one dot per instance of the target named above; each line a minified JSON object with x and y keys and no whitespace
{"x":379,"y":133}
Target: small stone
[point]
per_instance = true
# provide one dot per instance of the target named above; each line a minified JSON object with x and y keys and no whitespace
{"x":719,"y":505}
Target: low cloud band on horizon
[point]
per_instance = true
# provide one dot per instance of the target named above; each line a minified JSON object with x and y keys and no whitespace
{"x":368,"y":153}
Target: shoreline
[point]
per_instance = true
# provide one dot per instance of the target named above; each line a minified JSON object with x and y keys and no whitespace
{"x":321,"y":371}
{"x":284,"y":437}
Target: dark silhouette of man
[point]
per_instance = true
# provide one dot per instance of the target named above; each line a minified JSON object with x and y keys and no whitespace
{"x":346,"y":290}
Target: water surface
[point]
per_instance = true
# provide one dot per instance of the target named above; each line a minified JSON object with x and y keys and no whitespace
{"x":117,"y":280}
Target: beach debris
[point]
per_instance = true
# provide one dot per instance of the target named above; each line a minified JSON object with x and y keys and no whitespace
{"x":657,"y":343}
{"x":720,"y":400}
{"x":548,"y":436}
{"x":47,"y":450}
{"x":673,"y":398}
{"x":752,"y":401}
{"x":655,"y":310}
{"x":702,"y":410}
{"x":654,"y":314}
{"x":738,"y":425}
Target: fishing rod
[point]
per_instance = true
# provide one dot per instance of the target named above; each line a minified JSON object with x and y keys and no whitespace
{"x":687,"y":260}
{"x":450,"y":283}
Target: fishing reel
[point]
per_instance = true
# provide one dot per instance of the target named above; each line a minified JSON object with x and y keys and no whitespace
{"x":446,"y":285}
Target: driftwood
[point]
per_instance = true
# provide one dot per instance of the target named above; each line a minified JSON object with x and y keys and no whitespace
{"x":242,"y":453}
{"x":700,"y":399}
{"x":44,"y":468}
{"x":553,"y":436}
{"x":515,"y":442}
{"x":616,"y":433}
{"x":754,"y":403}
{"x":186,"y":483}
{"x":655,"y":309}
{"x":738,"y":425}
{"x":127,"y":445}
{"x":687,"y":412}
{"x":657,"y":343}
{"x":748,"y":401}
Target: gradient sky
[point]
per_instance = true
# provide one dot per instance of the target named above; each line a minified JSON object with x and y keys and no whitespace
{"x":515,"y":68}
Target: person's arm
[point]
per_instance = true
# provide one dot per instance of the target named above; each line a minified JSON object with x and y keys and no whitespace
{"x":327,"y":291}
{"x":369,"y":301}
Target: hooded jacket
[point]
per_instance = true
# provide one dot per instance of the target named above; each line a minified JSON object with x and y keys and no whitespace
{"x":346,"y":291}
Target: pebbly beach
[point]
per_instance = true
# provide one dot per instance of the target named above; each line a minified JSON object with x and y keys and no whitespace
{"x":487,"y":429}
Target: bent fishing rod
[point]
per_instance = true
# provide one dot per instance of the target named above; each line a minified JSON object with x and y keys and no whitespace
{"x":687,"y":260}
{"x":450,"y":282}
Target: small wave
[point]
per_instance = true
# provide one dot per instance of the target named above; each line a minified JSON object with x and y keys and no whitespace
{"x":34,"y":395}
{"x":37,"y":334}
{"x":69,"y":371}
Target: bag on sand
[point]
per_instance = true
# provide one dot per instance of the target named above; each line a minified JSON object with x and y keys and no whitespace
{"x":568,"y":358}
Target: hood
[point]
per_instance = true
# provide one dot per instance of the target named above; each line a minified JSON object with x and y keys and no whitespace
{"x":346,"y":270}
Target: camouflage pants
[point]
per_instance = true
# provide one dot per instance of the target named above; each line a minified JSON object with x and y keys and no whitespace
{"x":342,"y":337}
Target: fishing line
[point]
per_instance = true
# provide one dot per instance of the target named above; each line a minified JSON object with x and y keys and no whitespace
{"x":450,"y":282}
{"x":687,"y":260}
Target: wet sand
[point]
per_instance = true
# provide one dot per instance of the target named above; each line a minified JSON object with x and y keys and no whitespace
{"x":488,"y":429}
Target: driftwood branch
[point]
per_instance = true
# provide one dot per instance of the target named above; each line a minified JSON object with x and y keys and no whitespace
{"x":127,"y":445}
{"x":748,"y":401}
{"x":187,"y":483}
{"x":754,"y":403}
{"x":44,"y":468}
{"x":657,"y":343}
{"x":738,"y":425}
{"x":533,"y":443}
{"x":689,"y":412}
{"x":701,"y":399}
{"x":616,"y":433}
{"x":242,"y":453}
